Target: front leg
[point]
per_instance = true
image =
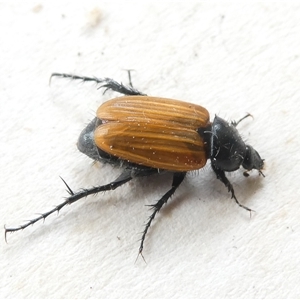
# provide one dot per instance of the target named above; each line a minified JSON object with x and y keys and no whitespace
{"x":221,"y":176}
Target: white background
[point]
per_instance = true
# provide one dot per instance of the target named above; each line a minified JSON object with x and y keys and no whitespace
{"x":231,"y":58}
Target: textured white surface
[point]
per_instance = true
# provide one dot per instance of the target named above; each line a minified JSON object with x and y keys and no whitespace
{"x":231,"y":59}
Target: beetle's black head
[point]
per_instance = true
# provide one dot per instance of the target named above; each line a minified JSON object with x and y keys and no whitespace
{"x":228,"y":151}
{"x":252,"y":159}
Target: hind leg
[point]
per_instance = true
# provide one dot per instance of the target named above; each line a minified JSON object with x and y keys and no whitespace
{"x":122,"y":179}
{"x":107,"y":83}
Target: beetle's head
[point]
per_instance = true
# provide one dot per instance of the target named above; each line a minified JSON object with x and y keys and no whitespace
{"x":252,"y":160}
{"x":228,"y":151}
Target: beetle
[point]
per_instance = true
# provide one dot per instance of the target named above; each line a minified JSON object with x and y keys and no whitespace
{"x":146,"y":135}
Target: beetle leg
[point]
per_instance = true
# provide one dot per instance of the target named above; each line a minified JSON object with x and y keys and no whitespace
{"x":123,"y":178}
{"x":236,"y":123}
{"x":107,"y":83}
{"x":177,"y":180}
{"x":110,"y":84}
{"x":222,"y":177}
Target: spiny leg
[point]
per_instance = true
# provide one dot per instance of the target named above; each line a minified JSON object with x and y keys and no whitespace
{"x":177,"y":180}
{"x":222,"y":177}
{"x":123,"y":178}
{"x":107,"y":83}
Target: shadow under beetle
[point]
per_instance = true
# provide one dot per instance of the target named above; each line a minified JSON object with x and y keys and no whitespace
{"x":145,"y":135}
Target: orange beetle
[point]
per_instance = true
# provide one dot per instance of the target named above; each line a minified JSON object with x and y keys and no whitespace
{"x":145,"y":135}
